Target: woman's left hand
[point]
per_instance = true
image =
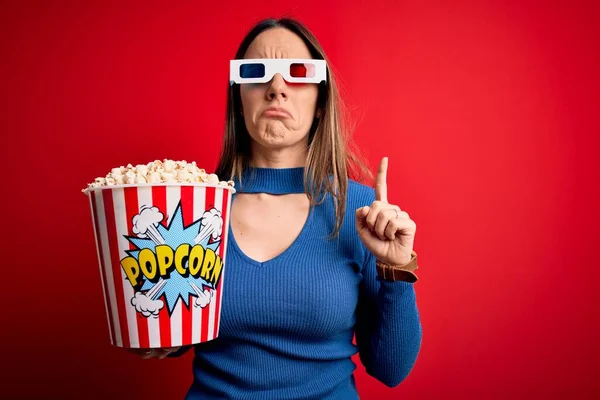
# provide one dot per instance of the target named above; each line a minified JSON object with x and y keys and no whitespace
{"x":386,"y":230}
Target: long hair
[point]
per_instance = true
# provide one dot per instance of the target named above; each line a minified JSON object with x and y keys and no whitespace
{"x":331,"y":159}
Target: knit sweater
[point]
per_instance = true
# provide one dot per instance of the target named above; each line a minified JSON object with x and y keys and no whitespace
{"x":287,"y":324}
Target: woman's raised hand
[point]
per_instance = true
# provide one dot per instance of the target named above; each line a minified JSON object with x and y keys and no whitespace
{"x":386,"y":230}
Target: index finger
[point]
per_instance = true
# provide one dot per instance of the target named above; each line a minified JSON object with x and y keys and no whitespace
{"x":380,"y":181}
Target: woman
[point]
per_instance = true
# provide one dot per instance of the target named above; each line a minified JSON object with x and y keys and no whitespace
{"x":313,"y":257}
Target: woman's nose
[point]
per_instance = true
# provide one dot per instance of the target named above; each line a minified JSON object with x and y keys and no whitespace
{"x":277,"y":88}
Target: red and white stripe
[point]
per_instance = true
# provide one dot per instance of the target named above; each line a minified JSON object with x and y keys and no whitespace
{"x":199,"y":195}
{"x":113,"y":210}
{"x":145,"y":198}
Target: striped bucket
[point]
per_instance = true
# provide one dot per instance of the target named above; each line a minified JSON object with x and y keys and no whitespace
{"x":161,"y":251}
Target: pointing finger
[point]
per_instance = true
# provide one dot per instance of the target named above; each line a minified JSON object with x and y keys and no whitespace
{"x":380,"y":182}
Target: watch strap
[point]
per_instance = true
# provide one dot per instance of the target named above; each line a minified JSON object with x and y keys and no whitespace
{"x":395,"y":273}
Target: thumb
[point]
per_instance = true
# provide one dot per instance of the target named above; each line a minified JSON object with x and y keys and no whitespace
{"x":361,"y":214}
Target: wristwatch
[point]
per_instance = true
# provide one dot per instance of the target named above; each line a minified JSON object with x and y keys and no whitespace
{"x":395,"y":273}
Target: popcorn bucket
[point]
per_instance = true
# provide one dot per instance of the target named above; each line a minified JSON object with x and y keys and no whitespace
{"x":161,"y":250}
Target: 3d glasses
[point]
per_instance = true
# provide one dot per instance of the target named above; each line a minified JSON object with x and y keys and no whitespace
{"x":293,"y":70}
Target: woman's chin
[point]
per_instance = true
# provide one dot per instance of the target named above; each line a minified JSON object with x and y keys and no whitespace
{"x":276,"y":136}
{"x":275,"y":133}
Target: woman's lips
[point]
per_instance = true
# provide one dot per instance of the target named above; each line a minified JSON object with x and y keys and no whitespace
{"x":276,"y":113}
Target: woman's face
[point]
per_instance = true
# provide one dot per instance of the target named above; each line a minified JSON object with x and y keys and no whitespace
{"x":271,"y":129}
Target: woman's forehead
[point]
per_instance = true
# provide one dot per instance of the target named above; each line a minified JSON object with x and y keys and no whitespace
{"x":277,"y":43}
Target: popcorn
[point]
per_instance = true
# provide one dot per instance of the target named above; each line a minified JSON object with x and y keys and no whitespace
{"x":154,"y":178}
{"x":212,"y":178}
{"x":142,"y":170}
{"x":157,"y":171}
{"x":183,"y":175}
{"x":130,"y":177}
{"x":169,"y":165}
{"x":116,"y":171}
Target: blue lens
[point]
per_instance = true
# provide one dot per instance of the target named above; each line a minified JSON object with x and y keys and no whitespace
{"x":252,"y":70}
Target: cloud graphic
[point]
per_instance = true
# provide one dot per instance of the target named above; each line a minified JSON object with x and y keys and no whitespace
{"x":145,"y":305}
{"x":145,"y":223}
{"x":211,"y":225}
{"x":204,"y":297}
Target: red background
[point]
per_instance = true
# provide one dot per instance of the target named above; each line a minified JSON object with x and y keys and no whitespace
{"x":488,"y":111}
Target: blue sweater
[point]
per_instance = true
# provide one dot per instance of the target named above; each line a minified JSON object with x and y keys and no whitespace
{"x":287,"y":324}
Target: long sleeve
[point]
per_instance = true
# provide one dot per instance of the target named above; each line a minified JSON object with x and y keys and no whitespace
{"x":388,"y":326}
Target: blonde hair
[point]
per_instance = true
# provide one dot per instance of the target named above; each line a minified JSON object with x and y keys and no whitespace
{"x":330,"y":149}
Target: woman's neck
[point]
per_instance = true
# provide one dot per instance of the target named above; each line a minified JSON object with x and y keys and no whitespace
{"x":271,"y":181}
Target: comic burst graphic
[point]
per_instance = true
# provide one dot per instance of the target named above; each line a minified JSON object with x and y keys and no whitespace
{"x":149,"y":233}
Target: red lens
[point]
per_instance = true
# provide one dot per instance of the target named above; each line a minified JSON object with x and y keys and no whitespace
{"x":302,"y":70}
